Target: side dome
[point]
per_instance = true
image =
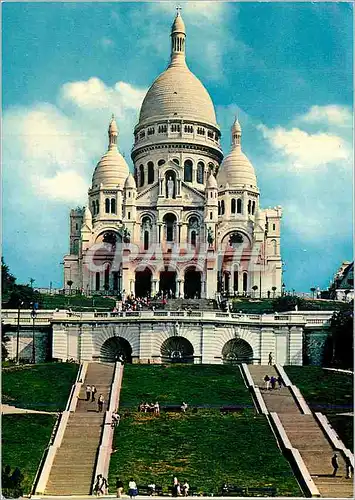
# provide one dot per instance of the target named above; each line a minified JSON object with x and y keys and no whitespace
{"x":112,"y":170}
{"x":211,"y":182}
{"x":177,"y":92}
{"x":130,"y":182}
{"x":236,"y":170}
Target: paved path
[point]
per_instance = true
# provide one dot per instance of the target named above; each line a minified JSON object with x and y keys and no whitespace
{"x":9,"y":410}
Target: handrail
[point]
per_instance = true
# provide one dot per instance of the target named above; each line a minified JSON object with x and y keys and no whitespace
{"x":333,"y":436}
{"x":57,"y":437}
{"x":105,"y":447}
{"x":44,"y":455}
{"x":295,"y":455}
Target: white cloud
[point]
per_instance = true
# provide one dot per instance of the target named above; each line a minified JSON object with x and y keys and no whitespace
{"x":305,"y":150}
{"x":93,"y":94}
{"x":52,"y":150}
{"x":340,"y":116}
{"x":66,"y":186}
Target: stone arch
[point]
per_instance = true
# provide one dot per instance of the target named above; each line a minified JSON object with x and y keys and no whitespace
{"x":177,"y":349}
{"x":163,"y":331}
{"x":237,"y":351}
{"x":129,"y":332}
{"x":114,"y":348}
{"x":226,"y":236}
{"x":109,"y":229}
{"x":225,"y":333}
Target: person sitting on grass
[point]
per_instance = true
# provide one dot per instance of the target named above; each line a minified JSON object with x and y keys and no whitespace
{"x":185,"y":488}
{"x":115,"y":419}
{"x":151,"y":488}
{"x":156,"y":408}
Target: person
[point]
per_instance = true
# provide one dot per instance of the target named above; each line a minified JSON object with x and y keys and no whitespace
{"x":100,"y":403}
{"x":279,"y":381}
{"x":185,"y":488}
{"x":270,"y":359}
{"x":175,"y":486}
{"x":115,"y":419}
{"x":156,"y":408}
{"x":224,"y":489}
{"x":119,"y":488}
{"x":267,"y":382}
{"x":183,"y":406}
{"x":335,"y":464}
{"x":349,"y":467}
{"x":100,"y":485}
{"x":93,"y":392}
{"x":132,"y":488}
{"x":151,"y":488}
{"x":273,"y":382}
{"x":88,"y":392}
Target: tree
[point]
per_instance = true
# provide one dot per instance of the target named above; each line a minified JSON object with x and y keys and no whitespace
{"x":70,"y":284}
{"x":255,"y":287}
{"x":341,"y":338}
{"x":7,"y":279}
{"x":273,"y":290}
{"x":4,"y":340}
{"x":313,"y":289}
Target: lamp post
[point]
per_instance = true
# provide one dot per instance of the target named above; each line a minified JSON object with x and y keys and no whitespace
{"x":33,"y":316}
{"x":20,"y":303}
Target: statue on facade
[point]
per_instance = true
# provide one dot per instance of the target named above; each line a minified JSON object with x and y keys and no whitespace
{"x":126,"y":235}
{"x":210,"y":238}
{"x":170,"y":187}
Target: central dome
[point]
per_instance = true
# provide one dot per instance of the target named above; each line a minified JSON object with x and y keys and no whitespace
{"x":177,"y":92}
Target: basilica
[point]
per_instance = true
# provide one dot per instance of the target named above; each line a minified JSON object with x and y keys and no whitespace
{"x":187,"y":222}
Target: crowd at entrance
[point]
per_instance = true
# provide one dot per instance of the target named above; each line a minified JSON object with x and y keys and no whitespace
{"x":169,"y":286}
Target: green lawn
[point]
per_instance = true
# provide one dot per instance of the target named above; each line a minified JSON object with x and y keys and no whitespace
{"x":195,"y":384}
{"x":76,"y":302}
{"x":324,"y":390}
{"x":260,"y":306}
{"x":205,"y":448}
{"x":328,"y":392}
{"x":44,"y":386}
{"x":24,"y":438}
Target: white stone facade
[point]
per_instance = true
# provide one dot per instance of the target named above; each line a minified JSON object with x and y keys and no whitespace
{"x":187,"y":222}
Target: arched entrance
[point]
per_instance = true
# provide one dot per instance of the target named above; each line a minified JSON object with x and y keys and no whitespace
{"x":143,"y":283}
{"x":192,"y":284}
{"x":237,"y":351}
{"x":115,"y":347}
{"x":177,"y":350}
{"x":167,"y":283}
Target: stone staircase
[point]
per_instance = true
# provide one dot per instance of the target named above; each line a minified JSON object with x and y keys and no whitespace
{"x":306,"y":435}
{"x":74,"y":463}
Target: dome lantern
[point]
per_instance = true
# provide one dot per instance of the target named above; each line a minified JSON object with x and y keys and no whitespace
{"x":112,"y":170}
{"x":112,"y":133}
{"x":236,"y":133}
{"x":178,"y":37}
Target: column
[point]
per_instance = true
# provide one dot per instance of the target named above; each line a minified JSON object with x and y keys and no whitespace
{"x":86,"y":343}
{"x":203,"y":289}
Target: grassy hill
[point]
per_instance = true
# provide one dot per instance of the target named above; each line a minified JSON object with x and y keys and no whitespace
{"x":211,"y":385}
{"x":24,"y":438}
{"x":43,"y":386}
{"x":202,"y":446}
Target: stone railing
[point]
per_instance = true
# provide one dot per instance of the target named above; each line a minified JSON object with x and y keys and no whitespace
{"x":105,"y":449}
{"x":46,"y":317}
{"x":57,"y":440}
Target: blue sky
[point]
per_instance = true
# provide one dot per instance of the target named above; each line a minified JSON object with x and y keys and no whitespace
{"x":284,"y":68}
